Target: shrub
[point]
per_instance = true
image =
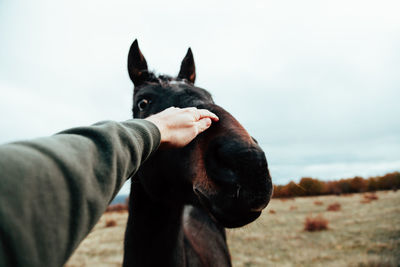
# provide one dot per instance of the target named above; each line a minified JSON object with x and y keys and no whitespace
{"x":358,"y":184}
{"x":389,"y":181}
{"x":272,"y":211}
{"x":345,"y":186}
{"x":117,"y":208}
{"x":371,"y":196}
{"x":293,"y":207}
{"x":111,"y":223}
{"x":372,"y":184}
{"x":279,"y":192}
{"x":311,"y":187}
{"x":288,"y":191}
{"x":318,"y":203}
{"x":331,"y":188}
{"x":334,"y":207}
{"x":294,"y":190}
{"x":317,"y":223}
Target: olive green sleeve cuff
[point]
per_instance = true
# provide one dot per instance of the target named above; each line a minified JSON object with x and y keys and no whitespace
{"x":53,"y":190}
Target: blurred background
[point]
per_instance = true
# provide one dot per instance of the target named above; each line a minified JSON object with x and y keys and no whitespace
{"x":317,"y":83}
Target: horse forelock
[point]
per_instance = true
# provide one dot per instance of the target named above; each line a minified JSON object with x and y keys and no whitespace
{"x":187,"y":93}
{"x":163,"y":80}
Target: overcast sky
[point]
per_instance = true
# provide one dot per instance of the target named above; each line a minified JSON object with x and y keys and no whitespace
{"x":316,"y":82}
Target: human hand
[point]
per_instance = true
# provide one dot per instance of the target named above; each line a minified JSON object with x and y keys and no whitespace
{"x":178,"y":127}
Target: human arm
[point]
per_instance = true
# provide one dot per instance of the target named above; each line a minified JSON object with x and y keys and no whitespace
{"x":53,"y":190}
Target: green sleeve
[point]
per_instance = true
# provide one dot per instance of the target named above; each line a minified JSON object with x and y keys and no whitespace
{"x":53,"y":190}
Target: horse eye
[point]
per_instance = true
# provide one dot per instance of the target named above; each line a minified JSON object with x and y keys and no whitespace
{"x":142,"y":104}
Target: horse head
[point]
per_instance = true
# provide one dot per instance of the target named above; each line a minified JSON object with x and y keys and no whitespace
{"x":223,"y":170}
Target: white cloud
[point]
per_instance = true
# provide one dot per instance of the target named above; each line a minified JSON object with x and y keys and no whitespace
{"x":126,"y":188}
{"x":311,"y":72}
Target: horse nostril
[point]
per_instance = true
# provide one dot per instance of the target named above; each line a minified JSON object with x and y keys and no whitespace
{"x":238,"y":187}
{"x":241,"y":172}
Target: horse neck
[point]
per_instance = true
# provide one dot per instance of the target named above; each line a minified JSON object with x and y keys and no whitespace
{"x":154,"y":234}
{"x":205,"y":239}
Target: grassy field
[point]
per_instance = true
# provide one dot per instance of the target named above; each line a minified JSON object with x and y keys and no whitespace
{"x":359,"y":234}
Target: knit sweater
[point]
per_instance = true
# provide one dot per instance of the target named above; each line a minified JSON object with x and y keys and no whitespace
{"x":53,"y":190}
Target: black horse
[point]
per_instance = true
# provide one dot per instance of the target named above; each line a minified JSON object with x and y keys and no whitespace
{"x":181,"y":200}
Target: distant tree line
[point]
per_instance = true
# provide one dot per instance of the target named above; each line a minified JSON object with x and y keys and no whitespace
{"x":314,"y":187}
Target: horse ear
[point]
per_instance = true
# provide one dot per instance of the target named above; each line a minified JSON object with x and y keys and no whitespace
{"x":137,"y":65}
{"x":188,"y":69}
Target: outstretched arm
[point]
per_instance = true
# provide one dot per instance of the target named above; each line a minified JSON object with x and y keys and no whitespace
{"x":53,"y":190}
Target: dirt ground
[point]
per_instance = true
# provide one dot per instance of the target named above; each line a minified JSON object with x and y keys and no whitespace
{"x":359,"y":234}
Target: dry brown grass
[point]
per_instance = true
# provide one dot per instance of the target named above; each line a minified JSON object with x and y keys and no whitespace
{"x":368,"y":197}
{"x":317,"y":223}
{"x":293,"y":207}
{"x":334,"y":207}
{"x":286,"y":199}
{"x":371,"y":196}
{"x":359,"y":235}
{"x":365,"y":201}
{"x":111,"y":223}
{"x":318,"y":203}
{"x":347,"y":195}
{"x":272,"y":211}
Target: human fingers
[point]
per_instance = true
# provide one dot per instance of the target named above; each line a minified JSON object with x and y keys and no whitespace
{"x":203,"y":124}
{"x":204,"y":113}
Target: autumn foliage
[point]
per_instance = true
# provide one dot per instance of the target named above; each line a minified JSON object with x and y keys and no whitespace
{"x":314,"y":187}
{"x":313,"y":224}
{"x":111,"y":223}
{"x":334,"y":207}
{"x":369,"y":197}
{"x":117,"y":208}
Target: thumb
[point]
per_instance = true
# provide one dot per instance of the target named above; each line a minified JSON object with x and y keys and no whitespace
{"x":203,"y":124}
